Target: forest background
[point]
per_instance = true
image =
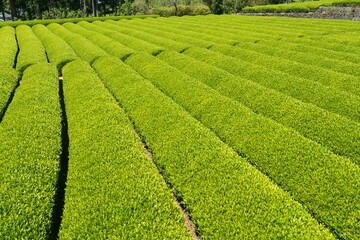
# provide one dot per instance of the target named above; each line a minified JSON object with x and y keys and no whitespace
{"x":50,"y":9}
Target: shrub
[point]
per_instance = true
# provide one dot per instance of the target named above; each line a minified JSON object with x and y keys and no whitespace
{"x":83,"y":47}
{"x":201,"y":10}
{"x":112,"y":187}
{"x":129,"y":41}
{"x":330,"y":130}
{"x":8,"y":82}
{"x":31,"y":49}
{"x":164,"y":11}
{"x":182,"y":10}
{"x":107,"y":44}
{"x":221,"y":182}
{"x":285,"y":155}
{"x":8,"y":52}
{"x":58,"y":51}
{"x":122,"y":27}
{"x":126,"y":8}
{"x":30,"y":144}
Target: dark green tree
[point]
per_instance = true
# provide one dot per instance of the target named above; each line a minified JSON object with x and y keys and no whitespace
{"x":2,"y":9}
{"x":217,"y":7}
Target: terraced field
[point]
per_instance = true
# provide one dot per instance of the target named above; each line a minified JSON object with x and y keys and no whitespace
{"x":208,"y":127}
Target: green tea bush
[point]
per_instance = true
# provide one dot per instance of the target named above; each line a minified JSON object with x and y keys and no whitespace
{"x":8,"y":52}
{"x":107,"y":44}
{"x":30,"y":144}
{"x":308,"y":6}
{"x":333,"y":79}
{"x":129,"y":41}
{"x":309,"y":55}
{"x":201,"y":31}
{"x":168,"y":26}
{"x":323,"y":182}
{"x":58,"y":51}
{"x":209,"y":178}
{"x":31,"y":49}
{"x":153,"y":39}
{"x":330,"y":130}
{"x":113,"y":190}
{"x":84,"y":48}
{"x":316,"y":56}
{"x":167,"y":32}
{"x":305,"y":90}
{"x":8,"y":81}
{"x":243,"y":30}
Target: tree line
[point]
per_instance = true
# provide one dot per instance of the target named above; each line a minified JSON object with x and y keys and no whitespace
{"x":45,"y":9}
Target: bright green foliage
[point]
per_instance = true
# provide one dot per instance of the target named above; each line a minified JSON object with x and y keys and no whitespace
{"x":197,"y":39}
{"x":255,"y":129}
{"x":131,"y":42}
{"x":307,"y":6}
{"x":8,"y":52}
{"x":30,"y":145}
{"x":308,"y":91}
{"x":84,"y":48}
{"x":308,"y":55}
{"x":225,"y":196}
{"x":328,"y":185}
{"x":340,"y":81}
{"x":8,"y":81}
{"x":113,"y":190}
{"x":245,"y":29}
{"x":107,"y":44}
{"x":58,"y":51}
{"x":163,"y":31}
{"x":330,"y":130}
{"x":323,"y":38}
{"x":31,"y":49}
{"x":156,"y":40}
{"x":211,"y":31}
{"x":315,"y":45}
{"x":325,"y":76}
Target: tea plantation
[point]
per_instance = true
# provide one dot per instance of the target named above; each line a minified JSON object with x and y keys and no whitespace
{"x":198,"y":127}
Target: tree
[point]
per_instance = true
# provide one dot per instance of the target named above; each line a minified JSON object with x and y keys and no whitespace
{"x":94,"y":7}
{"x":175,"y":4}
{"x":217,"y":6}
{"x":2,"y":8}
{"x":12,"y":9}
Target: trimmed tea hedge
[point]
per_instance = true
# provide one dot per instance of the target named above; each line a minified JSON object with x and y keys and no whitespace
{"x":8,"y":82}
{"x":30,"y":144}
{"x":107,"y":44}
{"x":156,"y":40}
{"x":330,"y":130}
{"x":31,"y":49}
{"x":343,"y":82}
{"x":251,"y":124}
{"x":8,"y":53}
{"x":307,"y":6}
{"x":308,"y":91}
{"x":292,"y":161}
{"x":113,"y":190}
{"x":225,"y":196}
{"x":58,"y":51}
{"x":84,"y":48}
{"x":132,"y":42}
